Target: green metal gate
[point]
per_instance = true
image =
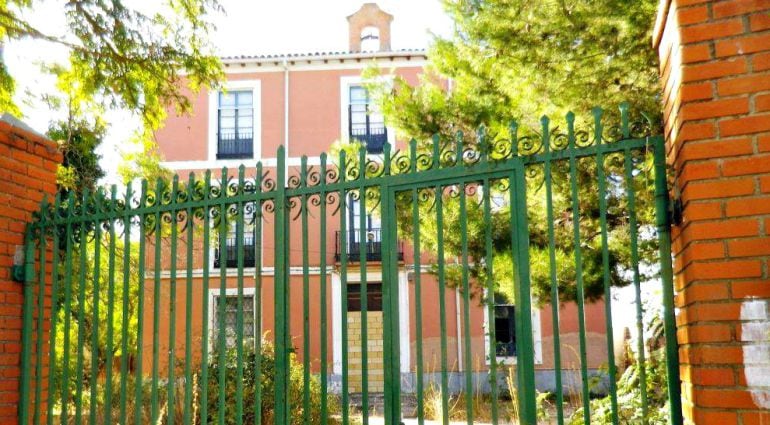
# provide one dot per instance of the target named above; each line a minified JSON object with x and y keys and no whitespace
{"x":215,"y":300}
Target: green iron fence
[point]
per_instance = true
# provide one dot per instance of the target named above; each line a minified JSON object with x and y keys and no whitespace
{"x":135,"y":310}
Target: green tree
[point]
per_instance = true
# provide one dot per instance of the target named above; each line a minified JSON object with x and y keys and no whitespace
{"x":142,"y":57}
{"x":91,"y":310}
{"x":78,"y":142}
{"x":142,"y":60}
{"x":517,"y":59}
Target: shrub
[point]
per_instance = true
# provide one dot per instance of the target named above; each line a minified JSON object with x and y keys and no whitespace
{"x":267,"y":378}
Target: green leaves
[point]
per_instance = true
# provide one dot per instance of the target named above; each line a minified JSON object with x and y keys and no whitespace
{"x":145,"y":58}
{"x":518,"y":59}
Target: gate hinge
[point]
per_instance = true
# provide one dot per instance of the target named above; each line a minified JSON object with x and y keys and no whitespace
{"x":17,"y":269}
{"x":675,"y":210}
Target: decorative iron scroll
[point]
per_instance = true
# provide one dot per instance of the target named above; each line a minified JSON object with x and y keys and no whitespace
{"x":228,"y":195}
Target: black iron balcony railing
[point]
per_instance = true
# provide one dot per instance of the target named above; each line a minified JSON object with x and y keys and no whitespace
{"x":372,"y":246}
{"x":232,"y":145}
{"x":372,"y":133}
{"x":231,"y":253}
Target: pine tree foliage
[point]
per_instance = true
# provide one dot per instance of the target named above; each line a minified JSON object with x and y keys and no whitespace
{"x":517,"y":59}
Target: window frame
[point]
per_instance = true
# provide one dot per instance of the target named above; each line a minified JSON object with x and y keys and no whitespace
{"x":346,"y":82}
{"x":537,"y":337}
{"x":233,"y":229}
{"x":229,"y":292}
{"x":213,"y":121}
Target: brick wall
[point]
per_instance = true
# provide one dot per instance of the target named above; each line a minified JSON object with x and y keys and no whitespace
{"x":715,"y":69}
{"x":27,"y":173}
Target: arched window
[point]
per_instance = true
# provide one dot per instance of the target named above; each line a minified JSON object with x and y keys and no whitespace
{"x":370,"y":39}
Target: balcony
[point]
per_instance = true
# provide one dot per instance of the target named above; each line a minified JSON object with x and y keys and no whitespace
{"x":372,"y":133}
{"x":231,"y":253}
{"x":232,"y":145}
{"x":372,"y":246}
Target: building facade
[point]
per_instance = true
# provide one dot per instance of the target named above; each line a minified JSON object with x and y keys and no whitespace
{"x":305,"y":103}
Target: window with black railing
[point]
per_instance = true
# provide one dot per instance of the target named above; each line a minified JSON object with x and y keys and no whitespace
{"x":235,"y":125}
{"x":227,"y":256}
{"x":370,"y":248}
{"x":365,"y":122}
{"x":505,"y":327}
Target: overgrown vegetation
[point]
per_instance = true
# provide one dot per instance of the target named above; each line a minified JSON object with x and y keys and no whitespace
{"x":266,"y":385}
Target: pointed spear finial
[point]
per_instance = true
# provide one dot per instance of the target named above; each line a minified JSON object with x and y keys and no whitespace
{"x":513,"y":131}
{"x":624,"y":119}
{"x":545,"y":137}
{"x":598,"y":129}
{"x":571,"y":129}
{"x":436,"y":151}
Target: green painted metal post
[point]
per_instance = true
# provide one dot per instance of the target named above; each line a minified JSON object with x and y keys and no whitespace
{"x":281,"y":302}
{"x":667,"y":280}
{"x":26,"y":330}
{"x":524,"y":342}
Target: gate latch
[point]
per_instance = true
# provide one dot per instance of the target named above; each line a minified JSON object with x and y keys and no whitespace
{"x":17,"y":269}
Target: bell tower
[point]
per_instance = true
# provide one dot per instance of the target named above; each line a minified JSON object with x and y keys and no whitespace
{"x":369,"y":29}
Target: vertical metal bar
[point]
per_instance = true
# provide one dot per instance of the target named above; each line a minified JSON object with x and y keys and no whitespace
{"x":391,"y":297}
{"x":154,"y":412}
{"x":126,"y":285}
{"x":65,"y":384}
{"x":82,"y":246}
{"x":442,"y":301}
{"x":602,"y":179}
{"x":138,"y":391}
{"x":323,"y":312}
{"x":466,"y":307}
{"x":489,"y":274}
{"x":171,"y":384}
{"x":305,"y":297}
{"x":667,"y":281}
{"x":40,"y":311}
{"x":363,"y":283}
{"x":95,"y":314}
{"x":110,"y":306}
{"x":27,"y":318}
{"x":222,"y":298}
{"x":632,"y":223}
{"x":523,"y":301}
{"x":281,"y":288}
{"x":190,"y":223}
{"x":288,"y":343}
{"x":417,"y":285}
{"x":344,"y":287}
{"x":578,"y":268}
{"x":204,"y":400}
{"x":258,"y":296}
{"x":240,"y":221}
{"x":548,"y":177}
{"x":54,"y":312}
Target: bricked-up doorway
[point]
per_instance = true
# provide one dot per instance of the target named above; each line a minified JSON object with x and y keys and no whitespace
{"x":373,"y":342}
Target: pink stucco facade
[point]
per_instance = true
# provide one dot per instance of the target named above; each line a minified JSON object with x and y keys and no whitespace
{"x":300,"y":103}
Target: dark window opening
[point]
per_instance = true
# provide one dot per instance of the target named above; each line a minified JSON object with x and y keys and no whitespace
{"x":373,"y":297}
{"x":229,"y":255}
{"x":235,"y":125}
{"x":505,"y":328}
{"x":365,"y":122}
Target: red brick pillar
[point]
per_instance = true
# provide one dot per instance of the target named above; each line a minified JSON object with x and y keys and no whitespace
{"x":715,"y":68}
{"x":28,"y":164}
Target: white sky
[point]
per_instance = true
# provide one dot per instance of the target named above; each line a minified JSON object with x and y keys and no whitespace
{"x":247,"y":27}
